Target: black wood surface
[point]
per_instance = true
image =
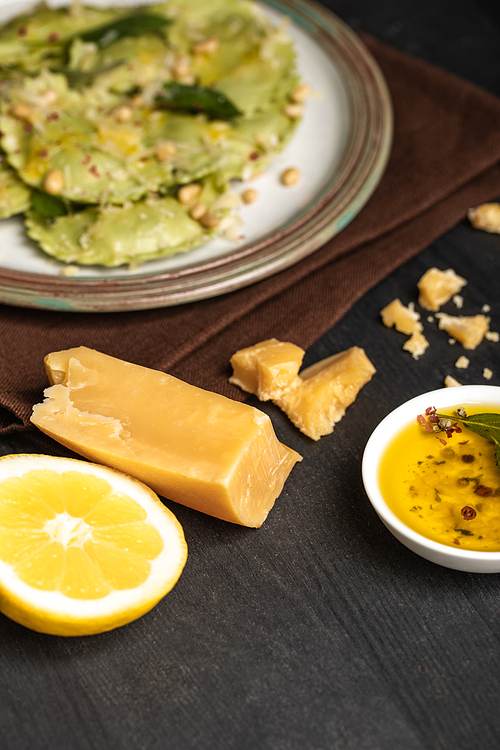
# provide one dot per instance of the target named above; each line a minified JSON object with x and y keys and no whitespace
{"x":319,"y":631}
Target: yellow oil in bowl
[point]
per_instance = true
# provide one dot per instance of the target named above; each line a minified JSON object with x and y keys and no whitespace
{"x":449,"y":493}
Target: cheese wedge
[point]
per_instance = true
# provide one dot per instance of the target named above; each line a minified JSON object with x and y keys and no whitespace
{"x":327,"y":388}
{"x":194,"y":447}
{"x":267,"y":369}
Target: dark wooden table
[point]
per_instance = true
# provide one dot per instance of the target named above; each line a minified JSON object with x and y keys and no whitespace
{"x":319,"y":631}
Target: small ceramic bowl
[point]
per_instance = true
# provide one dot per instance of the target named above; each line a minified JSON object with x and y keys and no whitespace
{"x":450,"y":557}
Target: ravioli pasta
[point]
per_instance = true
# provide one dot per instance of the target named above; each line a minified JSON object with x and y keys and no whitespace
{"x":97,"y":137}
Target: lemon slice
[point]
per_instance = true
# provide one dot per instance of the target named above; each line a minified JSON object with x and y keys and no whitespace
{"x":83,"y":548}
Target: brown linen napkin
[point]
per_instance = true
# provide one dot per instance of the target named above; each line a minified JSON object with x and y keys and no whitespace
{"x":445,"y":158}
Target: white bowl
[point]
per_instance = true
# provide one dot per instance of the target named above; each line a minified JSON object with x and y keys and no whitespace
{"x":450,"y":557}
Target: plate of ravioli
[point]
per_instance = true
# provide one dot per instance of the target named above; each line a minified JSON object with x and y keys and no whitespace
{"x":157,"y":154}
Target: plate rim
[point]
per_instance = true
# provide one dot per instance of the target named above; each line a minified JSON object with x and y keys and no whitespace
{"x":331,"y":209}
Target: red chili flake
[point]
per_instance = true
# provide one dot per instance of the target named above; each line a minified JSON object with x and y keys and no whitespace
{"x":22,"y":31}
{"x":483,"y":490}
{"x":459,"y":429}
{"x":433,"y":419}
{"x":94,"y":171}
{"x":86,"y":160}
{"x":430,"y":410}
{"x":442,"y":441}
{"x":27,"y":128}
{"x":43,"y":153}
{"x":455,"y":541}
{"x":52,"y":116}
{"x":421,"y":419}
{"x":53,"y":36}
{"x":468,"y":513}
{"x":464,"y":442}
{"x":254,"y":155}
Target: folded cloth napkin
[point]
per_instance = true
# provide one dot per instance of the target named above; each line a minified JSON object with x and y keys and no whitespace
{"x":445,"y":159}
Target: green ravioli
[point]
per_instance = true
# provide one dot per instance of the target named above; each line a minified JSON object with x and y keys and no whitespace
{"x":92,"y":114}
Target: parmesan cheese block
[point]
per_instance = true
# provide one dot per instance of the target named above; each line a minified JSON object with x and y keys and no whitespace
{"x":192,"y":446}
{"x":267,"y":369}
{"x":326,"y":389}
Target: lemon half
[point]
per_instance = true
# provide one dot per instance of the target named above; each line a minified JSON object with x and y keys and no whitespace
{"x":83,"y":548}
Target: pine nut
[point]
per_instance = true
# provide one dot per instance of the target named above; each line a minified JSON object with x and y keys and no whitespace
{"x":210,"y":221}
{"x":198,"y":210}
{"x":188,"y":193}
{"x":123,"y":113}
{"x":301,"y":93}
{"x":165,"y":151}
{"x":290,"y":176}
{"x":21,"y":110}
{"x":293,"y":111}
{"x":54,"y":182}
{"x":249,"y":196}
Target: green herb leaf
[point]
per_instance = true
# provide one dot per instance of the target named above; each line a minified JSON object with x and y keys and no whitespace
{"x":136,"y":24}
{"x":48,"y":205}
{"x":211,"y":102}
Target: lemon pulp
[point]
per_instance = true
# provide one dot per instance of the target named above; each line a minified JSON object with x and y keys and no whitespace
{"x":82,"y":549}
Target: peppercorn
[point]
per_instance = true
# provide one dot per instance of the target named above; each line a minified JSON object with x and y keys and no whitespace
{"x":468,"y":513}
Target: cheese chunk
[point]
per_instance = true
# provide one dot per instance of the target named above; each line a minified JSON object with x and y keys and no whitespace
{"x":438,"y":287}
{"x":469,"y":331}
{"x":404,"y":319}
{"x":416,"y":344}
{"x":267,"y":369}
{"x":486,"y":217}
{"x":192,"y":446}
{"x":327,"y":388}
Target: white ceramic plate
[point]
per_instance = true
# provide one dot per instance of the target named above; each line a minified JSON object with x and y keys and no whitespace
{"x":340,"y":148}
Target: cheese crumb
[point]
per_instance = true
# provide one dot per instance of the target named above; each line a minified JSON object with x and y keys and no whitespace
{"x":430,"y":318}
{"x":451,"y":382}
{"x":416,"y":344}
{"x":486,"y":308}
{"x":452,"y":341}
{"x":492,"y":336}
{"x":438,"y":287}
{"x":487,"y":373}
{"x":469,"y":331}
{"x":404,"y":319}
{"x":486,"y":217}
{"x":458,"y":300}
{"x":462,"y":363}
